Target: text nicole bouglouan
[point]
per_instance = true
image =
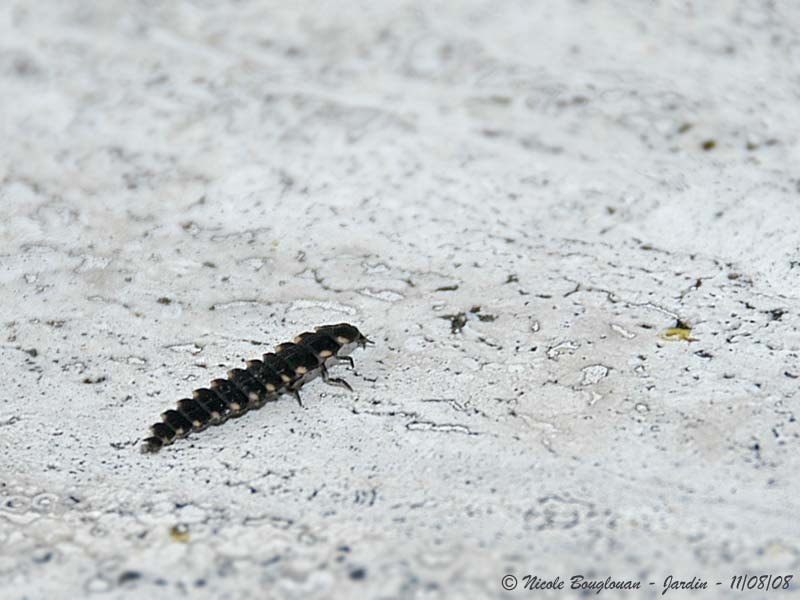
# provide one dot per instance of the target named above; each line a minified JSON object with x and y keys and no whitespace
{"x":743,"y":582}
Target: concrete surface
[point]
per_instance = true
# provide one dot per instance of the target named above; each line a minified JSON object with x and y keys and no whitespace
{"x":516,"y":200}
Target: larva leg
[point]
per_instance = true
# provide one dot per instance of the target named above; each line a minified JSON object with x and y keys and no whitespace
{"x":333,"y":380}
{"x":296,"y":395}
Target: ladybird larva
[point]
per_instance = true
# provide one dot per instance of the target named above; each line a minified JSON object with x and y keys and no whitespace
{"x":284,"y":371}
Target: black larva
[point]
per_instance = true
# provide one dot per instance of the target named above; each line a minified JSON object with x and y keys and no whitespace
{"x":281,"y":372}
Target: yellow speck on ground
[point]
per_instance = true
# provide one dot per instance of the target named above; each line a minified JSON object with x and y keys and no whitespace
{"x":179,"y":533}
{"x":677,"y":334}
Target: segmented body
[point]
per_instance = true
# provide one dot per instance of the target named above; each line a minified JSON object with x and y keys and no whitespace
{"x":281,"y":372}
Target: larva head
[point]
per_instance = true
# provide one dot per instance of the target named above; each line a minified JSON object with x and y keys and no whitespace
{"x":345,"y":334}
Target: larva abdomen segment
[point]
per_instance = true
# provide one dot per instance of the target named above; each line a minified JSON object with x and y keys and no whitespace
{"x":163,"y":432}
{"x":250,"y":388}
{"x":283,"y":371}
{"x":180,"y":424}
{"x":194,"y":412}
{"x":212,"y":404}
{"x":320,"y":344}
{"x":271,"y":381}
{"x":298,"y":358}
{"x":279,"y":366}
{"x":230,"y":394}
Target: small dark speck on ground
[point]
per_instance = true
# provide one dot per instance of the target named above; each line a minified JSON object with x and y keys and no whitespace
{"x":127,"y":576}
{"x":457,"y":322}
{"x":775,"y":314}
{"x":43,"y":558}
{"x":708,"y":145}
{"x":164,"y":300}
{"x":358,"y":574}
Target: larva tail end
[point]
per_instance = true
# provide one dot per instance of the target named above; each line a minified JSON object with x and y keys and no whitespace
{"x":151,"y":445}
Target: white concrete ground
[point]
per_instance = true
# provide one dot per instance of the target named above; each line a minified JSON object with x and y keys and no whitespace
{"x":516,"y":200}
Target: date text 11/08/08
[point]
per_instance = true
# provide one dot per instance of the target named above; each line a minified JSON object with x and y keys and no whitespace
{"x":744,"y":582}
{"x":760,"y":582}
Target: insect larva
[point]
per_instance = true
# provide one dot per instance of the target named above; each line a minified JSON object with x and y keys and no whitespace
{"x":284,"y":371}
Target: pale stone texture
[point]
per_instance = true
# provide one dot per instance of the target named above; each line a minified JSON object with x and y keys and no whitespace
{"x":185,"y":184}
